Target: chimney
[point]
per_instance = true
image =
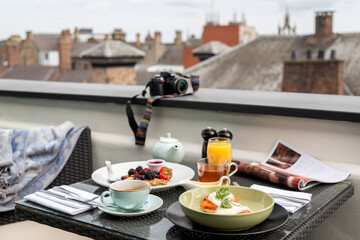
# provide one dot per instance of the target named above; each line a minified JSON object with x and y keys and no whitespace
{"x":77,"y":35}
{"x":178,"y":38}
{"x":65,"y":46}
{"x":323,"y":23}
{"x":314,"y":76}
{"x":323,"y":29}
{"x":13,"y":50}
{"x":138,"y":42}
{"x":157,"y":37}
{"x":29,"y":35}
{"x":118,"y":34}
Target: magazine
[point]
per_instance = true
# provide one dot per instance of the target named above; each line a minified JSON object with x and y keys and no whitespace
{"x":292,"y":167}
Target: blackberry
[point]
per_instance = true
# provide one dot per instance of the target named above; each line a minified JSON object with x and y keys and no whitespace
{"x":131,"y":171}
{"x":149,"y":176}
{"x":139,"y":168}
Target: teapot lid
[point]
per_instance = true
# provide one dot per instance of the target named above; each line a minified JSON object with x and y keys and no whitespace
{"x":168,"y":139}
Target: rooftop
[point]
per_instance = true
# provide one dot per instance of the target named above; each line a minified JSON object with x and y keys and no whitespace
{"x":258,"y":64}
{"x":33,"y":72}
{"x":112,"y":49}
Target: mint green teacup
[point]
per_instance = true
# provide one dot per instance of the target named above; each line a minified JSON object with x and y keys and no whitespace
{"x":128,"y":194}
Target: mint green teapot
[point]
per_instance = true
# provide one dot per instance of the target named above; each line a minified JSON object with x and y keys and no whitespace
{"x":168,"y":148}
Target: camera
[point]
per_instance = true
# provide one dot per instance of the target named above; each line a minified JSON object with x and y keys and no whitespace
{"x":167,"y":83}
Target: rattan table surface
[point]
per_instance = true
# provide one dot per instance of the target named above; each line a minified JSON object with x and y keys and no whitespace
{"x":99,"y":225}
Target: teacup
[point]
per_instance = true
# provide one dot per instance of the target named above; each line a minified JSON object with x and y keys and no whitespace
{"x":213,"y":172}
{"x":128,"y":194}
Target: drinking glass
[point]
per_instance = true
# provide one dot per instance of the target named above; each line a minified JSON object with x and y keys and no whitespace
{"x":219,"y":150}
{"x":213,"y":172}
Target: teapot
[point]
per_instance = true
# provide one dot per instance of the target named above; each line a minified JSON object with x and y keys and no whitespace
{"x":169,"y":149}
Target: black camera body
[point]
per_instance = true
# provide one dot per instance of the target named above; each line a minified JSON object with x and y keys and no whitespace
{"x":166,"y":84}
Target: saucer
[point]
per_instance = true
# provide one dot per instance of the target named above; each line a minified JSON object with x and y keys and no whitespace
{"x":153,"y":203}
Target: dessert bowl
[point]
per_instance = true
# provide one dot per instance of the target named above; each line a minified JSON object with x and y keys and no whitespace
{"x":260,"y":203}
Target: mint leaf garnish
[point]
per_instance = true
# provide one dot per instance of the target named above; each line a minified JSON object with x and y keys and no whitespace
{"x":226,"y":204}
{"x":222,"y":193}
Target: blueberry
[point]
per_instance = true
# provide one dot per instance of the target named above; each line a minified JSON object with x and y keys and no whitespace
{"x":142,"y":177}
{"x":131,"y":171}
{"x":139,"y":168}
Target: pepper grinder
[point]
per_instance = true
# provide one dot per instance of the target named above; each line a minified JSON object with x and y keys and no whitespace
{"x":225,"y":133}
{"x":206,"y":135}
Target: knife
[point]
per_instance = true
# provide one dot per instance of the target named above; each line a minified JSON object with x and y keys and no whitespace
{"x":59,"y":196}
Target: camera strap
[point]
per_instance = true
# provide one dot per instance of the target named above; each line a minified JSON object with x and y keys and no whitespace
{"x":140,"y":130}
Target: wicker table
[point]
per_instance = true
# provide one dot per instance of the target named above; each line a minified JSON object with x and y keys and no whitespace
{"x":99,"y":225}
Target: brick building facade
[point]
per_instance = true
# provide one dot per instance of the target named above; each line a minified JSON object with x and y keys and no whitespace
{"x":314,"y":76}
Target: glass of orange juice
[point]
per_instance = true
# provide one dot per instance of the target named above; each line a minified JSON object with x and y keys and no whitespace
{"x":219,"y":150}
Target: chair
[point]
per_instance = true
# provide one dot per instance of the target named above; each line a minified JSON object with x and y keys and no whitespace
{"x":77,"y":168}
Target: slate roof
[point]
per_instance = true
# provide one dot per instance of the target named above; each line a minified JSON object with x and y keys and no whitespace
{"x":78,"y":48}
{"x":82,"y":76}
{"x":46,"y":42}
{"x":173,"y":55}
{"x":213,"y":47}
{"x":258,"y":65}
{"x":112,"y":48}
{"x":33,"y":72}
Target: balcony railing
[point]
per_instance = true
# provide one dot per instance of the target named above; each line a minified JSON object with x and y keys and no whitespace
{"x":325,"y":126}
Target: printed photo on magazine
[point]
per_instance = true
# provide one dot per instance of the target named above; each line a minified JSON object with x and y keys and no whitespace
{"x":288,"y":165}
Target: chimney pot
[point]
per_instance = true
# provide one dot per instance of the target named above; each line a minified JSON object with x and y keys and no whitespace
{"x":321,"y":54}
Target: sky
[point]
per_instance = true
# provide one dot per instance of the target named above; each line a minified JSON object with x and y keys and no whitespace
{"x":167,"y":16}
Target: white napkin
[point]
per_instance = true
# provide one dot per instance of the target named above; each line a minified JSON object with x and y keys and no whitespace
{"x":65,"y":206}
{"x":290,"y":200}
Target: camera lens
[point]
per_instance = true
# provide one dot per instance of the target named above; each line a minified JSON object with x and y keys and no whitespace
{"x":181,"y":86}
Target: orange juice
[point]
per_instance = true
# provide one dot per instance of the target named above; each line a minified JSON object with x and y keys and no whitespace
{"x":219,"y":152}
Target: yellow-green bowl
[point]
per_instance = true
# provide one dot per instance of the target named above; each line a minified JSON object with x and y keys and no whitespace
{"x":260,"y":203}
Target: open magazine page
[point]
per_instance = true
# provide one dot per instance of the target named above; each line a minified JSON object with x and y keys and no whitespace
{"x":272,"y":175}
{"x":289,"y":160}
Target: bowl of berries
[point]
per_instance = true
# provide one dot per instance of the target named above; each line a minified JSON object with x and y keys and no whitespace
{"x":155,"y":178}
